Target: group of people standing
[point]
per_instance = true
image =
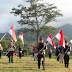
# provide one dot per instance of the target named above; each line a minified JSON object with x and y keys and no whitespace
{"x":61,"y":53}
{"x":39,"y":50}
{"x":10,"y":51}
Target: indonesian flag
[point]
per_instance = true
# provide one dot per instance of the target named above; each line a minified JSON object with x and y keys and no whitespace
{"x":12,"y":33}
{"x":50,"y":40}
{"x":60,"y":37}
{"x":21,"y":37}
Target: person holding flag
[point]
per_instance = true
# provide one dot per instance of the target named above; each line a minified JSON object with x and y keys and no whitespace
{"x":10,"y":51}
{"x":66,"y":54}
{"x":41,"y":54}
{"x":20,"y":48}
{"x":11,"y":45}
{"x":50,"y":40}
{"x":60,"y":37}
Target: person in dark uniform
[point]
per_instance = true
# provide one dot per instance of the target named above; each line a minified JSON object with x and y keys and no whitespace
{"x":41,"y":54}
{"x":66,"y":54}
{"x":50,"y":52}
{"x":1,"y":49}
{"x":20,"y":51}
{"x":10,"y":51}
{"x":57,"y":52}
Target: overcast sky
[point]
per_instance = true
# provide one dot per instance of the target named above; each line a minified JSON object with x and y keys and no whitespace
{"x":7,"y":19}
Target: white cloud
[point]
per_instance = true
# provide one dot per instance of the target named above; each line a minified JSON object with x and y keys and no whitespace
{"x":65,"y":6}
{"x":7,"y":19}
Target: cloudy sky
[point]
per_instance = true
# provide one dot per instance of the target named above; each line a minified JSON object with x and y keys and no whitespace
{"x":7,"y":19}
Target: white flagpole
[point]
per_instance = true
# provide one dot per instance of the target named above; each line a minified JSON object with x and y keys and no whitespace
{"x":3,"y":36}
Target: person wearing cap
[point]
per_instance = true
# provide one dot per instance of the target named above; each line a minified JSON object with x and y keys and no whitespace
{"x":41,"y":54}
{"x":1,"y":49}
{"x":20,"y":51}
{"x":10,"y":51}
{"x":66,"y":54}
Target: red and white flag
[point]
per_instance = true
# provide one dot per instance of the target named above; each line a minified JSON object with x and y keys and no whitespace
{"x":21,"y":37}
{"x":60,"y":37}
{"x":50,"y":40}
{"x":12,"y":33}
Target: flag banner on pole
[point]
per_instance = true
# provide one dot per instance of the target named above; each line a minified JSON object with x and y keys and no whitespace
{"x":60,"y":37}
{"x":50,"y":40}
{"x":21,"y":37}
{"x":12,"y":33}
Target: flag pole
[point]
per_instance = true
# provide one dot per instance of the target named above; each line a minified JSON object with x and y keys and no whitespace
{"x":3,"y":36}
{"x":9,"y":48}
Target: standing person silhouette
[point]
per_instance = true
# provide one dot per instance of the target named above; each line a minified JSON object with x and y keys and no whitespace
{"x":20,"y":51}
{"x":11,"y":50}
{"x":50,"y":52}
{"x":66,"y":54}
{"x":41,"y":54}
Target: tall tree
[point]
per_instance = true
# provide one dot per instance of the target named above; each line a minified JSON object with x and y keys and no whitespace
{"x":37,"y":15}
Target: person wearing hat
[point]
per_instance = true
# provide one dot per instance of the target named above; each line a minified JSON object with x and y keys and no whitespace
{"x":1,"y":49}
{"x":41,"y":54}
{"x":66,"y":54}
{"x":10,"y":51}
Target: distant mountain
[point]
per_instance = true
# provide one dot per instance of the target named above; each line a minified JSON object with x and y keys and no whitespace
{"x":29,"y":36}
{"x":67,"y":29}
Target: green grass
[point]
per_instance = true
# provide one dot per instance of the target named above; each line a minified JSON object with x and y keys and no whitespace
{"x":26,"y":64}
